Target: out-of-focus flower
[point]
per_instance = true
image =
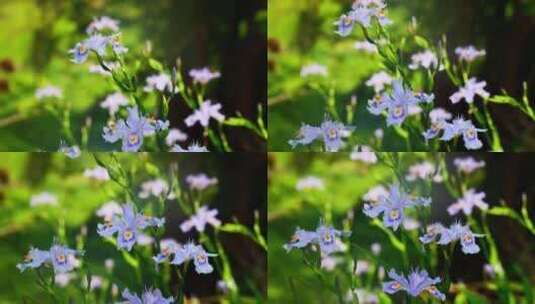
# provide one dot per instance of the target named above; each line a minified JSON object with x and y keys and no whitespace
{"x":314,"y":69}
{"x":96,"y":282}
{"x":222,"y":286}
{"x":43,"y":198}
{"x":149,"y":296}
{"x":489,"y":271}
{"x":159,"y":82}
{"x":309,"y":183}
{"x":156,"y":187}
{"x":393,"y":206}
{"x":365,"y":155}
{"x":379,"y":80}
{"x":128,"y":226}
{"x":203,"y":76}
{"x":469,"y":53}
{"x":466,"y":203}
{"x":362,"y":267}
{"x":421,"y":171}
{"x":415,"y":283}
{"x":203,"y":114}
{"x":98,"y":173}
{"x":329,"y":262}
{"x":175,"y":135}
{"x":101,"y":24}
{"x":363,"y":296}
{"x":326,"y":237}
{"x":200,"y":181}
{"x":330,"y":132}
{"x":379,"y":133}
{"x":71,"y":152}
{"x":113,"y":102}
{"x":48,"y":92}
{"x":109,"y":264}
{"x":376,"y":248}
{"x":199,"y":220}
{"x":145,"y":240}
{"x":426,"y":59}
{"x":410,"y":224}
{"x":470,"y":90}
{"x":63,"y":279}
{"x":98,"y":69}
{"x":375,"y":194}
{"x":194,"y":147}
{"x":108,"y":210}
{"x":60,"y":257}
{"x":468,"y":165}
{"x":439,"y":114}
{"x":182,"y":254}
{"x":366,"y":46}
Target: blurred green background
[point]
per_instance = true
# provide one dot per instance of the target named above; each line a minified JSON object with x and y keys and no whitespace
{"x":301,"y":32}
{"x":505,"y":178}
{"x":35,"y":35}
{"x":239,"y":194}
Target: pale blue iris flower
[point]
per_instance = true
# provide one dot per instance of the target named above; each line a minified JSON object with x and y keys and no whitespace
{"x":128,"y":226}
{"x":150,"y":296}
{"x":326,"y":237}
{"x":393,"y":206}
{"x":132,"y":131}
{"x":188,"y":252}
{"x":455,"y":232}
{"x":414,"y":284}
{"x":330,"y":132}
{"x":60,"y":257}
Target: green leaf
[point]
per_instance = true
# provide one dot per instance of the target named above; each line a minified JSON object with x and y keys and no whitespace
{"x":421,"y":42}
{"x":503,"y":99}
{"x":155,"y":64}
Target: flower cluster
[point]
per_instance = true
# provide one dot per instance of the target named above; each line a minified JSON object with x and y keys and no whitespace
{"x":326,"y":237}
{"x":330,"y":132}
{"x":128,"y":226}
{"x":455,"y":232}
{"x":182,"y":254}
{"x":362,"y":12}
{"x":393,"y":206}
{"x":458,"y":127}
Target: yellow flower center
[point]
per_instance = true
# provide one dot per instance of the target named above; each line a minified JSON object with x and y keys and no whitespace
{"x":398,"y":111}
{"x":201,"y":258}
{"x":394,"y":214}
{"x":471,"y":133}
{"x":333,"y":133}
{"x":133,"y":139}
{"x":327,"y":237}
{"x":128,"y":234}
{"x":347,"y":20}
{"x":61,"y":258}
{"x":468,"y":238}
{"x":395,"y":285}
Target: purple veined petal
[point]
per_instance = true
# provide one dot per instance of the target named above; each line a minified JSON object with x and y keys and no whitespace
{"x":130,"y":297}
{"x":307,"y":134}
{"x":373,"y":209}
{"x":300,"y":239}
{"x":34,"y":259}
